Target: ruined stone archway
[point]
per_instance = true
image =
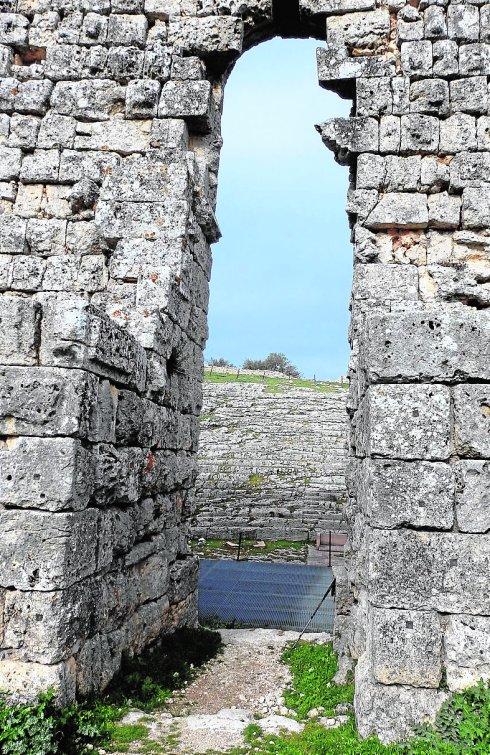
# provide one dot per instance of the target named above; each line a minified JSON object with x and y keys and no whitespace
{"x":109,"y":129}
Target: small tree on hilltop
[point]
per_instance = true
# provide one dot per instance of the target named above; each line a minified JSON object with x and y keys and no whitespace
{"x":273,"y":363}
{"x":220,"y":363}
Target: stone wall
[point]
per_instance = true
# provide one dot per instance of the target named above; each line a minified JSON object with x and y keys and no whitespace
{"x":271,"y":461}
{"x":110,"y":140}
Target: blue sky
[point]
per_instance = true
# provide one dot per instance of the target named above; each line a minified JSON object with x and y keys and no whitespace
{"x":282,"y":271}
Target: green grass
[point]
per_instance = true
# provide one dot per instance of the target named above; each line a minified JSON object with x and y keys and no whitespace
{"x":215,"y":547}
{"x":255,"y":480}
{"x":462,"y":726}
{"x":123,"y":735}
{"x":316,"y":740}
{"x":145,"y":683}
{"x":313,"y":668}
{"x":275,"y":385}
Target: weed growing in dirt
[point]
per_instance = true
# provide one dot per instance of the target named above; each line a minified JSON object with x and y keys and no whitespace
{"x":313,"y":668}
{"x":147,"y":682}
{"x":316,"y":740}
{"x":43,"y":729}
{"x":462,"y":726}
{"x":122,"y":735}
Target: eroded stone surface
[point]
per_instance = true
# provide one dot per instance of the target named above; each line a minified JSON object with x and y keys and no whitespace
{"x":109,"y":156}
{"x":271,"y":462}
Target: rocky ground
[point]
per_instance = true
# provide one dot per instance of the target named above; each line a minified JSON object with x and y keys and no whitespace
{"x":240,"y":686}
{"x":280,"y":551}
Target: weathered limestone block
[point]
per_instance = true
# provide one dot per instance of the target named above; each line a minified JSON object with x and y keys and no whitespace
{"x":399,"y":211}
{"x":116,"y":135}
{"x":127,"y":29}
{"x":182,"y":573}
{"x":93,"y":165}
{"x":392,"y":711}
{"x":47,"y":551}
{"x":467,"y":646}
{"x":469,"y":95}
{"x":168,"y":220}
{"x":426,"y":343}
{"x":25,"y":96}
{"x":416,"y":58}
{"x":42,"y":166}
{"x":430,"y":96}
{"x":191,"y":100}
{"x":163,"y":9}
{"x":457,"y":133}
{"x":442,"y":571}
{"x":444,"y":210}
{"x":404,"y":422}
{"x":76,"y":334}
{"x":50,"y":474}
{"x":470,"y":170}
{"x":142,"y":99}
{"x":445,"y":57}
{"x":96,"y":100}
{"x":323,"y":7}
{"x":13,"y":29}
{"x":26,"y":680}
{"x":334,"y":64}
{"x":20,"y":320}
{"x":473,"y":495}
{"x":401,"y":493}
{"x":419,"y":133}
{"x":476,"y":207}
{"x":359,"y":30}
{"x":353,"y":135}
{"x":139,"y":422}
{"x":150,"y":178}
{"x":379,"y":283}
{"x":474,"y":59}
{"x":463,"y":22}
{"x":373,"y":96}
{"x":472,"y":420}
{"x":50,"y":401}
{"x":211,"y":37}
{"x":406,"y":647}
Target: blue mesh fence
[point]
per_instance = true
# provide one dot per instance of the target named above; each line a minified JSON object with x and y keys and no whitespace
{"x":259,"y":594}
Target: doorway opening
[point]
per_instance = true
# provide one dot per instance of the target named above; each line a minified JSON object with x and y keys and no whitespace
{"x":273,"y":437}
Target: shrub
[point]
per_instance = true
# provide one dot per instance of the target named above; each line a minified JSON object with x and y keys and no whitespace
{"x":274,"y":363}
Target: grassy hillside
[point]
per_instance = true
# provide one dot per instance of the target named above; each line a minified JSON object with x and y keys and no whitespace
{"x":275,"y":384}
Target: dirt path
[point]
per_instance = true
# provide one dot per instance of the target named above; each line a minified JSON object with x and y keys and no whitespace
{"x":211,"y":714}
